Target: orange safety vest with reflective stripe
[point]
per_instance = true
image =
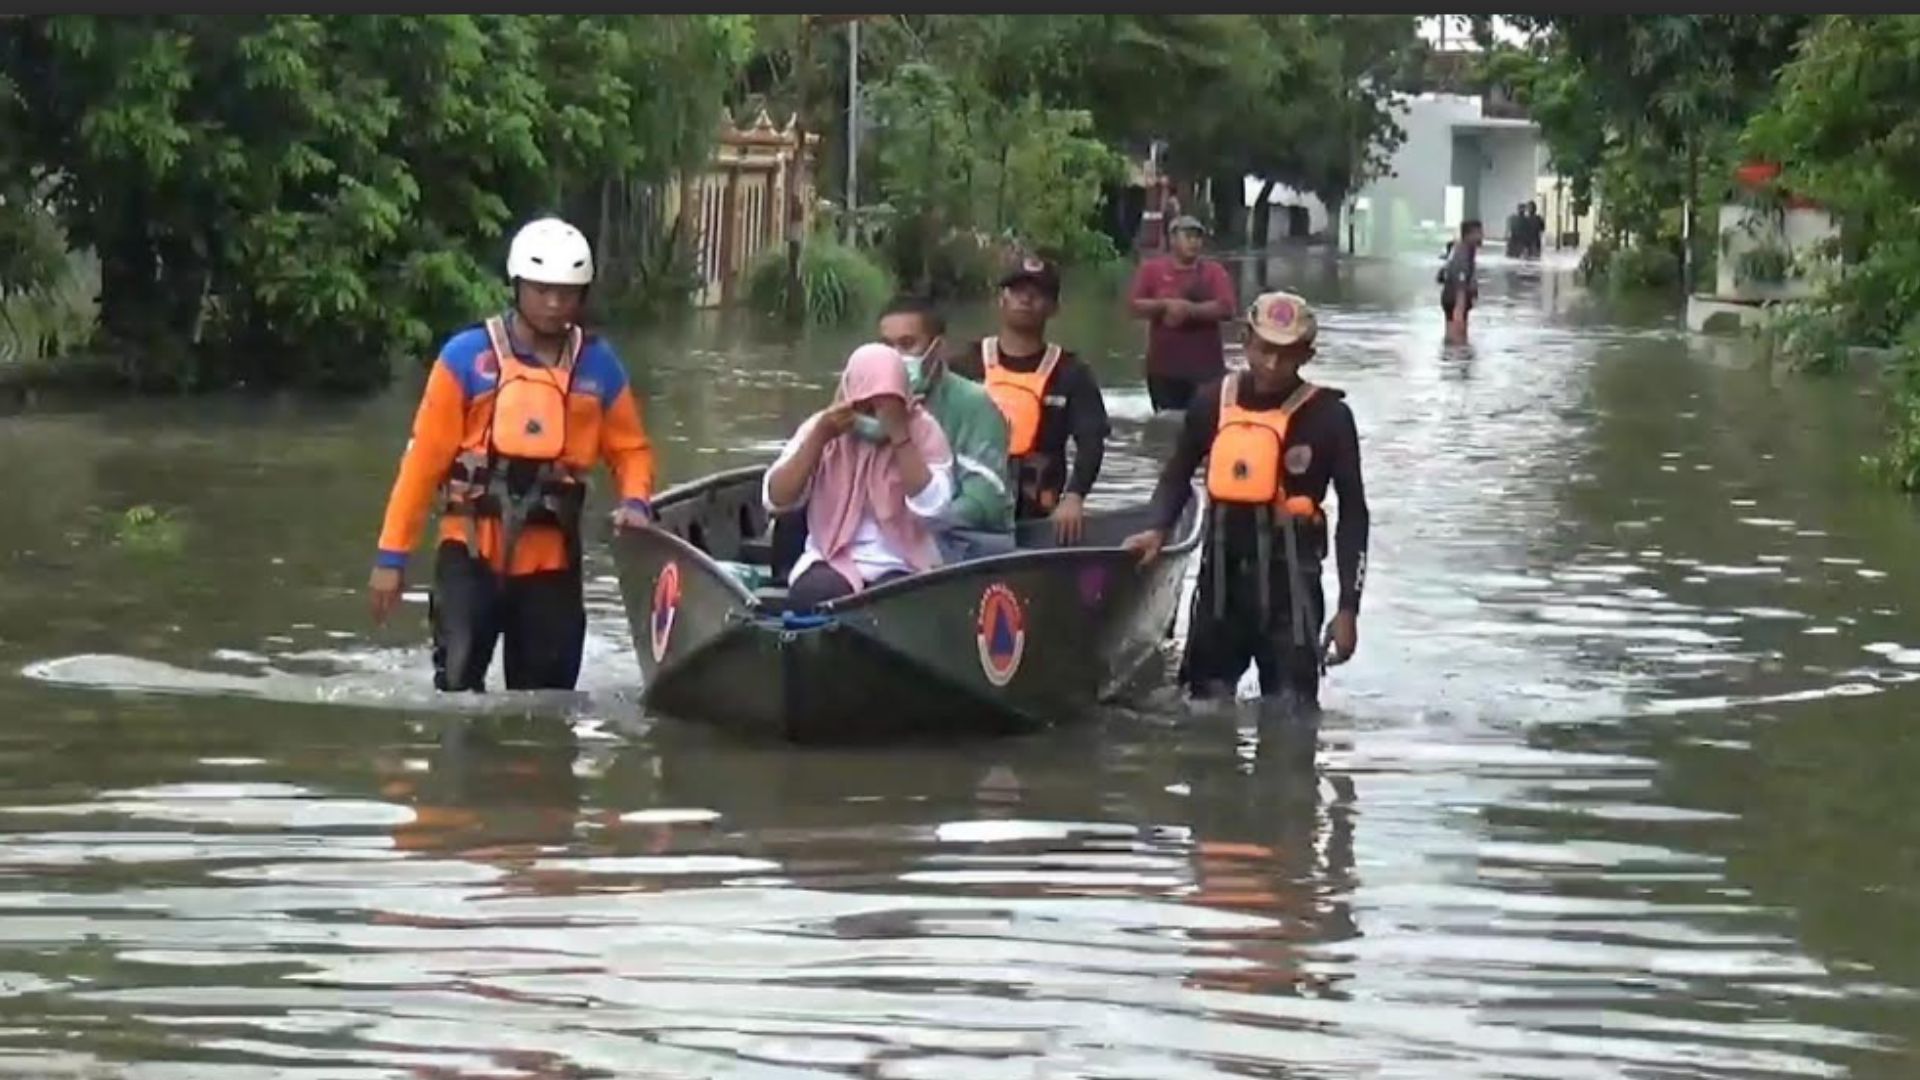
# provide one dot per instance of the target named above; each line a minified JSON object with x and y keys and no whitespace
{"x":1020,"y":396}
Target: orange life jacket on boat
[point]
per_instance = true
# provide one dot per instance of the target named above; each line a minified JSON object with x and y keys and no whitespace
{"x":1020,"y":396}
{"x":1247,"y":465}
{"x":512,"y":467}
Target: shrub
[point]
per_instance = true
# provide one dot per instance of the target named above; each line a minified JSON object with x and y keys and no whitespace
{"x":1808,"y":336}
{"x":1637,"y":268}
{"x":837,"y":282}
{"x":1900,"y":462}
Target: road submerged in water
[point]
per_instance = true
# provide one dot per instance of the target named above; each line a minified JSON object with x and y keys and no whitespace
{"x":1618,"y":786}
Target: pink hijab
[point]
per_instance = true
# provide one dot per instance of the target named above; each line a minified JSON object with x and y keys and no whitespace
{"x":856,"y":477}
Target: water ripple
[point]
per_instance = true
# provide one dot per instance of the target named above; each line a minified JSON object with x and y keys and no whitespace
{"x":1616,"y":788}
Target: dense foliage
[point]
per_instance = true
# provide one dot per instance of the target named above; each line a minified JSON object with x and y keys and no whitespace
{"x":1655,"y":110}
{"x":1842,"y":125}
{"x":296,"y":197}
{"x":283,"y":198}
{"x":1648,"y":109}
{"x":995,"y":130}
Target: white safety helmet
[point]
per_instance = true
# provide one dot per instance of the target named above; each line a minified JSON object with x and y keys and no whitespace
{"x":551,"y":252}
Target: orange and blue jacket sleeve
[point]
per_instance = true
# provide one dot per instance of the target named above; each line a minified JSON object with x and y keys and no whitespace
{"x":625,"y":448}
{"x":437,"y":428}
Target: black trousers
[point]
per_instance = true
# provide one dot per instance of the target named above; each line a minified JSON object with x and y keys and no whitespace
{"x":1219,"y":648}
{"x":1172,"y":392}
{"x":822,"y":583}
{"x":543,"y":618}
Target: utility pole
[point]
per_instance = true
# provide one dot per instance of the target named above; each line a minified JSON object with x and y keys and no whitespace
{"x":853,"y":122}
{"x":796,"y":206}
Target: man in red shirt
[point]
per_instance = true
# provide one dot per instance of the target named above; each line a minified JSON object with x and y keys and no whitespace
{"x":1184,"y":298}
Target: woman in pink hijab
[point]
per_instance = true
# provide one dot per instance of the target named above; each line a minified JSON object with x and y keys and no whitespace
{"x":871,"y":470}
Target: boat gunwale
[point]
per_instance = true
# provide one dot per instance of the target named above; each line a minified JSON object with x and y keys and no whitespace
{"x":708,"y":563}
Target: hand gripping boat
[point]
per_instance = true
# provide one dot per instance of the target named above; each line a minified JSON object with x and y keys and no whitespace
{"x":991,"y":646}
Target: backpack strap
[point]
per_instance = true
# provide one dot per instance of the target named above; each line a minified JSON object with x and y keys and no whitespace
{"x":503,"y":350}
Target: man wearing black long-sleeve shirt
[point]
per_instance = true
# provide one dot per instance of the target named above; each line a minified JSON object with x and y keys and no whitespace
{"x":1273,"y":443}
{"x":1048,"y":396}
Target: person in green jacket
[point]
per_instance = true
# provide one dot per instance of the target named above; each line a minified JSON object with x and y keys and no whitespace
{"x":980,"y":520}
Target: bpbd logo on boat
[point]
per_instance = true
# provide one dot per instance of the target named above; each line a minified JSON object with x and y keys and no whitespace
{"x":1001,"y":632}
{"x":666,"y":604}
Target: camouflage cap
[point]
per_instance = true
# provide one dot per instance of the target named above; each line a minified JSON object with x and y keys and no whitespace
{"x":1281,"y":318}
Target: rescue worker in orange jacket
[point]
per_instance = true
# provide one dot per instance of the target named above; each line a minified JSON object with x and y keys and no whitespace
{"x":1273,"y":443}
{"x":1048,"y":396}
{"x":516,"y":412}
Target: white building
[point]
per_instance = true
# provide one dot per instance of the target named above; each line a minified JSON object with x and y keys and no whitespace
{"x":1455,"y":163}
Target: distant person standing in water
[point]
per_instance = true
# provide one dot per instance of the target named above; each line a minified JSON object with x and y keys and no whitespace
{"x":1184,"y":297}
{"x":1459,"y":285}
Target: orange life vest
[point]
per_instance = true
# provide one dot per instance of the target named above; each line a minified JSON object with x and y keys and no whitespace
{"x":1247,"y":465}
{"x":1020,"y":396}
{"x":511,"y":467}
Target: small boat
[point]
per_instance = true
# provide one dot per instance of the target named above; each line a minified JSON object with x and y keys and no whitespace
{"x":995,"y":645}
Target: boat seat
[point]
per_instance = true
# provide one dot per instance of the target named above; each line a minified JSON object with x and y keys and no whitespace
{"x":771,"y":597}
{"x":757,"y":551}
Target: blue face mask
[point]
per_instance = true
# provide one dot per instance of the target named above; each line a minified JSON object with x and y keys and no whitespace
{"x":868,"y":429}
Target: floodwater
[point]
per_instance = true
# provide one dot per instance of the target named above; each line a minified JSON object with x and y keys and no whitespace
{"x":1620,"y":784}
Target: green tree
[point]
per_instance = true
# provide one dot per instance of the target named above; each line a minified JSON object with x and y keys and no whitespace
{"x":1048,"y":191}
{"x":282,"y":198}
{"x":1229,"y":94}
{"x":1556,"y":96}
{"x":1364,"y":60}
{"x":956,"y":162}
{"x":925,"y":162}
{"x":1843,"y":130}
{"x":1669,"y":90}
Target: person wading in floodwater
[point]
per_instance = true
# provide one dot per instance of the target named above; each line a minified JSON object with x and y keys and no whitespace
{"x":1184,"y":297}
{"x":1047,"y":395}
{"x":515,"y":414}
{"x":1273,"y":443}
{"x":1459,"y":286}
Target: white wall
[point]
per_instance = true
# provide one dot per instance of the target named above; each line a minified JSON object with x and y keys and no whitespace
{"x":1408,"y":207}
{"x":1423,"y":164}
{"x":1802,"y":233}
{"x":1509,"y":175}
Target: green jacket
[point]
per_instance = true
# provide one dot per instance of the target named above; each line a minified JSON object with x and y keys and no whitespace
{"x":983,"y":494}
